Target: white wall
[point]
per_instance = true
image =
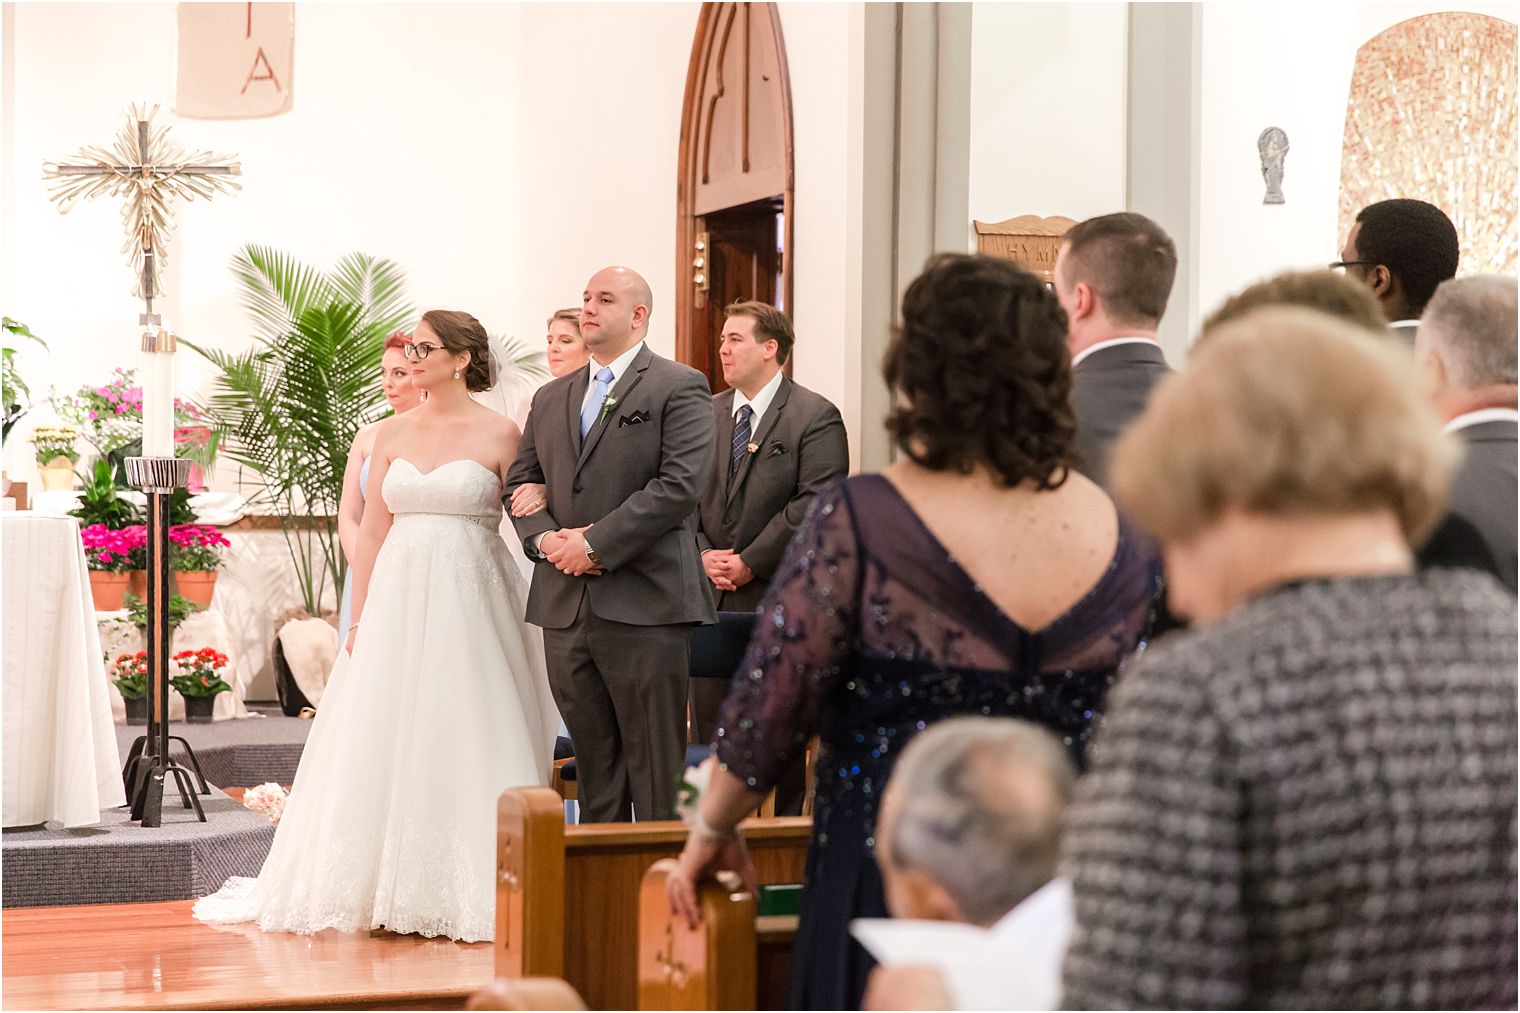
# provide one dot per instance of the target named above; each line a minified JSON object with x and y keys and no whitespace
{"x":402,"y":141}
{"x":501,"y":153}
{"x":819,"y":45}
{"x":1260,"y":68}
{"x":601,"y":88}
{"x":1048,"y":115}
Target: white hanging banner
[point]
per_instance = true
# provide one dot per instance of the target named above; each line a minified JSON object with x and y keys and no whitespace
{"x":234,"y":60}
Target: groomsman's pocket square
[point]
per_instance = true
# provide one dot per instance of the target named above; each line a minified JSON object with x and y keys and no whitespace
{"x":776,"y":449}
{"x":637,"y":418}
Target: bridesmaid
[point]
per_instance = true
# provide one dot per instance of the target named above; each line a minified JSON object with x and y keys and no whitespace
{"x":564,"y":352}
{"x":396,"y":382}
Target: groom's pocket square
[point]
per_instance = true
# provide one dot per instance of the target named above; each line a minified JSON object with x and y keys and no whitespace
{"x":776,"y":449}
{"x":637,"y":418}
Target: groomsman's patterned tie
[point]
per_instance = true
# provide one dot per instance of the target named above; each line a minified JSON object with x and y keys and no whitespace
{"x":741,"y":441}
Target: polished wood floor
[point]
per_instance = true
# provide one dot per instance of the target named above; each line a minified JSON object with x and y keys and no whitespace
{"x":156,"y":956}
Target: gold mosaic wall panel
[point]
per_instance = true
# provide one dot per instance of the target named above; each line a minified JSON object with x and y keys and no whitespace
{"x":1432,"y":116}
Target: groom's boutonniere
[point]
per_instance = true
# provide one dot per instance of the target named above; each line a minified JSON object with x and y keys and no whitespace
{"x":753,"y":448}
{"x":608,"y":403}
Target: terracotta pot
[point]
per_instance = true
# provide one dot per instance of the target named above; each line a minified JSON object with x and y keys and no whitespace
{"x":137,"y":710}
{"x":196,"y":585}
{"x":107,"y":589}
{"x":198,"y":709}
{"x":138,"y":583}
{"x":57,"y":474}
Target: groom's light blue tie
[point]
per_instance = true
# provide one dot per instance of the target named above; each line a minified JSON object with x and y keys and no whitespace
{"x":593,"y":406}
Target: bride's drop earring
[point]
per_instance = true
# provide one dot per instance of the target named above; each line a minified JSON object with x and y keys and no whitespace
{"x":456,"y":374}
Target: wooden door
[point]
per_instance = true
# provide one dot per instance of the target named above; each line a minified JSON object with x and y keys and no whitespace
{"x":734,"y":192}
{"x":743,"y":262}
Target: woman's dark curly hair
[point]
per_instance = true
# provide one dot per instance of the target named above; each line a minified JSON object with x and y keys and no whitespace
{"x":982,"y":373}
{"x":461,"y":332}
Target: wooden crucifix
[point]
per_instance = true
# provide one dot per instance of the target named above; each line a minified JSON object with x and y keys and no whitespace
{"x":149,"y":170}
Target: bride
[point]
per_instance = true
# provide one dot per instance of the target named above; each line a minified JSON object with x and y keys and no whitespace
{"x":438,"y":701}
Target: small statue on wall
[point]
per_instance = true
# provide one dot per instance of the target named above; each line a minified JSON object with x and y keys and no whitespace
{"x":1273,"y":146}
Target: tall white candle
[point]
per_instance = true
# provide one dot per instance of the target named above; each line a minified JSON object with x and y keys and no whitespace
{"x":158,"y":404}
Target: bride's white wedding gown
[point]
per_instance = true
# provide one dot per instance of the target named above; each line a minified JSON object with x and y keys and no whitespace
{"x":391,"y":821}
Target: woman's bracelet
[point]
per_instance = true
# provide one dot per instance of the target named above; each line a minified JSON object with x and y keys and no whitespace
{"x":704,"y":831}
{"x":355,"y":626}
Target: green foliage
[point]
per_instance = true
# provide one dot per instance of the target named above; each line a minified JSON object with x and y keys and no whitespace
{"x":180,"y":609}
{"x":15,"y":398}
{"x":101,"y":503}
{"x":288,"y":409}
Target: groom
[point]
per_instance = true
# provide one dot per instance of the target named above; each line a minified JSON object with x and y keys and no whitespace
{"x":625,"y":449}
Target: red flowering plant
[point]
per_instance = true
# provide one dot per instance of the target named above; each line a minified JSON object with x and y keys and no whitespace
{"x":195,"y":547}
{"x":200,"y":672}
{"x":115,"y":551}
{"x":130,"y":674}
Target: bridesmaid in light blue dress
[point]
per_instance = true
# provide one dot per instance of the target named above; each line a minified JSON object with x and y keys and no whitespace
{"x":396,"y":382}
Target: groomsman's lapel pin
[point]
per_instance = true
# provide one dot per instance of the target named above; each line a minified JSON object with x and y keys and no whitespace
{"x":637,"y":418}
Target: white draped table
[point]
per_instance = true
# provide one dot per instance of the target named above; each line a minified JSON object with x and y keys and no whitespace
{"x":60,"y":760}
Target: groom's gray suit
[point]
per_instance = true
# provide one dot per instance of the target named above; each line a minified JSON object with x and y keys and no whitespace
{"x":618,"y":643}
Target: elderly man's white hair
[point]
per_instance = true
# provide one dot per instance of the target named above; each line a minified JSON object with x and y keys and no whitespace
{"x":978,"y":805}
{"x":1471,"y":324}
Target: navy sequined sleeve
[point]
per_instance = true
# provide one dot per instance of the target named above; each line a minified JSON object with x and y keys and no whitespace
{"x":800,"y":648}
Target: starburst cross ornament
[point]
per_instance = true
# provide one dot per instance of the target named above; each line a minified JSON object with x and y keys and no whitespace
{"x":150,"y":171}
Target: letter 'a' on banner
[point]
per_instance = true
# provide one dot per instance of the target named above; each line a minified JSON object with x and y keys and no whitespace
{"x":234,"y":60}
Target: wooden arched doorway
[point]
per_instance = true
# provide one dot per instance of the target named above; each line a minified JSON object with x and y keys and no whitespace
{"x":734,"y":192}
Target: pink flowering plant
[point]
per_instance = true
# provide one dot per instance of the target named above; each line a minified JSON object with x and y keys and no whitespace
{"x":195,"y":547}
{"x":115,"y":550}
{"x":111,"y":416}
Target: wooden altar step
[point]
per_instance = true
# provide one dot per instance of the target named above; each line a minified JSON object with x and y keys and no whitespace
{"x":156,"y":956}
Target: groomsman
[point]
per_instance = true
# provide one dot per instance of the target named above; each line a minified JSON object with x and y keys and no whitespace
{"x":1113,"y":277}
{"x":622,"y":449}
{"x":777,"y":446}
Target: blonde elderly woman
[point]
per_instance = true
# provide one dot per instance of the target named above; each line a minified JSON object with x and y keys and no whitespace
{"x":1308,"y":800}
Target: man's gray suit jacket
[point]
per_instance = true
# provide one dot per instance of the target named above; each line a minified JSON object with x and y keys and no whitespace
{"x":1108,"y":391}
{"x":801,"y":450}
{"x":1479,"y":527}
{"x":636,"y":477}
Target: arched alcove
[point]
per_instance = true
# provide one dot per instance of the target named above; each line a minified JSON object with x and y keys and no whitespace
{"x":734,"y":192}
{"x":1432,"y":115}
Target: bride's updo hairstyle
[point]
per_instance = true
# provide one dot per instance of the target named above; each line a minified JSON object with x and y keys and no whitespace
{"x":459,"y":332}
{"x":982,"y":373}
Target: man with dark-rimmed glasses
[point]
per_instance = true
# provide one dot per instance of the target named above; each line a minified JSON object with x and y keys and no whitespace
{"x":1401,"y":249}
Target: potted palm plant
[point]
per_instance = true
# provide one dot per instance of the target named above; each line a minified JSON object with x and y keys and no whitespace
{"x":289,"y":407}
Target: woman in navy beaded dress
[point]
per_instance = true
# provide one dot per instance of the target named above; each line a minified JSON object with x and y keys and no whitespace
{"x":983,"y":574}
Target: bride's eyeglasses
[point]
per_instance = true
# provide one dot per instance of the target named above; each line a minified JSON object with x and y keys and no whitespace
{"x":419,"y":351}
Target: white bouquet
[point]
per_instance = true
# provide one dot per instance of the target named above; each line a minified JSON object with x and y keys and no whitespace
{"x":268,"y":800}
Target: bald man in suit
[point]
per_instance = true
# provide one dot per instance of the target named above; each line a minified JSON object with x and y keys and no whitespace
{"x":614,"y":458}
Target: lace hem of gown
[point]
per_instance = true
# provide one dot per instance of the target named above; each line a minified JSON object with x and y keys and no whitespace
{"x":239,"y":900}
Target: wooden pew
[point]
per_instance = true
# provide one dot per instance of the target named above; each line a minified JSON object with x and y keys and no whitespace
{"x":567,"y":897}
{"x":733,"y":960}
